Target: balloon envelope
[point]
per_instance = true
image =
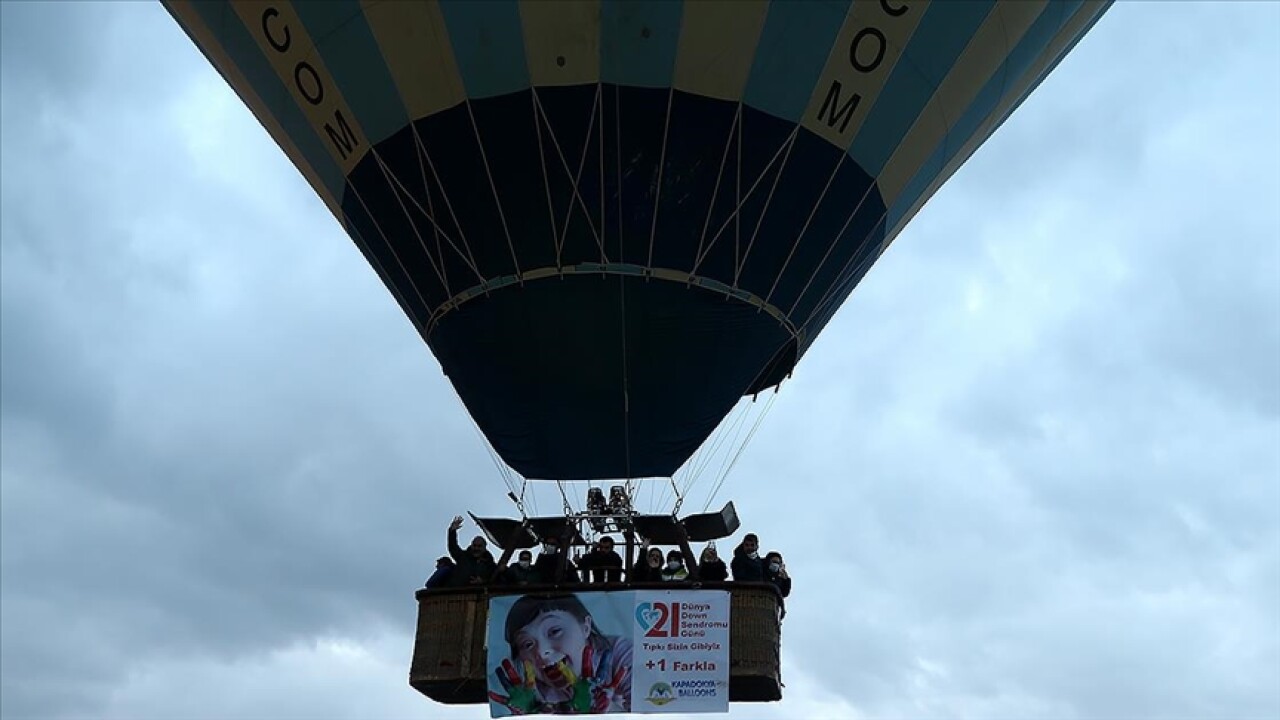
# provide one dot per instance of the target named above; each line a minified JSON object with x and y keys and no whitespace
{"x":611,"y":220}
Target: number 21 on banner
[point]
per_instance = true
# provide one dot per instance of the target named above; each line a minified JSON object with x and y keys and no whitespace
{"x":668,"y":620}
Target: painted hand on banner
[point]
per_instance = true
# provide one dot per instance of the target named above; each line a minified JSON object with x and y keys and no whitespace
{"x":591,"y":692}
{"x":522,"y":694}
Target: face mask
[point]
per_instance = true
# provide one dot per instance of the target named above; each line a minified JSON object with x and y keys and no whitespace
{"x":775,"y":567}
{"x":754,"y":555}
{"x":673,"y":564}
{"x":549,"y":548}
{"x":525,"y":564}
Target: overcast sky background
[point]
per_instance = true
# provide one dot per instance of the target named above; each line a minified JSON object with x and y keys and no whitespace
{"x":1031,"y":470}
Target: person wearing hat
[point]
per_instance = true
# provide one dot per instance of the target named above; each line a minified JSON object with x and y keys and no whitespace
{"x":675,"y":569}
{"x":440,"y":578}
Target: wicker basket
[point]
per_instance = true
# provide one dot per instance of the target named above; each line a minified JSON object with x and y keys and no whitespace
{"x":449,"y":650}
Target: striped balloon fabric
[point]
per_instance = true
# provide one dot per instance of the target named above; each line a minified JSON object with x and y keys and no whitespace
{"x":610,"y":220}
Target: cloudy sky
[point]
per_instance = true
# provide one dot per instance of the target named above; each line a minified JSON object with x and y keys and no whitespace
{"x":1037,"y":453}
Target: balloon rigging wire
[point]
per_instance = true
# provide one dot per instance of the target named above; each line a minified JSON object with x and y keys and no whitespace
{"x":431,"y":213}
{"x":573,"y":179}
{"x":790,"y":144}
{"x":396,"y":255}
{"x":546,"y":179}
{"x":470,"y":259}
{"x":831,"y":295}
{"x":750,"y":436}
{"x":715,"y":192}
{"x":493,"y":187}
{"x":814,"y":275}
{"x":805,"y":228}
{"x":399,"y":188}
{"x":785,"y":145}
{"x":388,"y":176}
{"x":356,"y":235}
{"x":701,"y":457}
{"x":662,"y":161}
{"x":507,"y":474}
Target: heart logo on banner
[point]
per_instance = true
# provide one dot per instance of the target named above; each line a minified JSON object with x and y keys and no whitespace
{"x":646,"y":615}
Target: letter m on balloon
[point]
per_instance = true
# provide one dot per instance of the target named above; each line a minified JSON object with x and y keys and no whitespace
{"x":844,"y":114}
{"x":343,"y":138}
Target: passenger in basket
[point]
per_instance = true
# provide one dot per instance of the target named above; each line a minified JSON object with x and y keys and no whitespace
{"x":747,"y":565}
{"x":523,"y":572}
{"x":775,"y":571}
{"x":475,"y":565}
{"x":649,"y":567}
{"x":602,"y":564}
{"x":675,"y":569}
{"x":711,"y":568}
{"x":440,"y":578}
{"x":548,"y":560}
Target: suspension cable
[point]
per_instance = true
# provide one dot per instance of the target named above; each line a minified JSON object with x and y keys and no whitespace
{"x":568,"y":509}
{"x":751,"y":435}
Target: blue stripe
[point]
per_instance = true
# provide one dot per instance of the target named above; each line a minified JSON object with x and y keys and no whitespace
{"x":639,"y":41}
{"x":792,"y":51}
{"x":941,"y":36}
{"x":1031,"y":46}
{"x":346,"y":44}
{"x":1066,"y":50}
{"x":488,"y":44}
{"x":229,"y":32}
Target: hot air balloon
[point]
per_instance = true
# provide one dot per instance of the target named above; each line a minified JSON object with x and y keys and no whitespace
{"x":610,"y":221}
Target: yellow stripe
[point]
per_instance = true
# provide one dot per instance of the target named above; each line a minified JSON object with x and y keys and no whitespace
{"x":415,"y":43}
{"x":1069,"y":32}
{"x":205,"y":40}
{"x":285,"y":44}
{"x":561,"y":41}
{"x":717,"y":46}
{"x":870,"y":42}
{"x":988,"y":48}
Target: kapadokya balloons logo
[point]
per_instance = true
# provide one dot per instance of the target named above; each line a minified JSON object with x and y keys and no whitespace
{"x":660,"y":693}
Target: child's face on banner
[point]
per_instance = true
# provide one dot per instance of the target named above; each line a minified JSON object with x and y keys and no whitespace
{"x":551,"y":637}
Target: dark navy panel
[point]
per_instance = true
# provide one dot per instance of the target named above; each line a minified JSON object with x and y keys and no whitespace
{"x":570,"y":125}
{"x":637,"y":123}
{"x":538,"y":361}
{"x":541,"y":371}
{"x":802,"y":254}
{"x":764,"y":158}
{"x":696,"y":139}
{"x":860,"y":237}
{"x":454,"y":146}
{"x":397,"y":234}
{"x":809,"y":165}
{"x":836,"y":288}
